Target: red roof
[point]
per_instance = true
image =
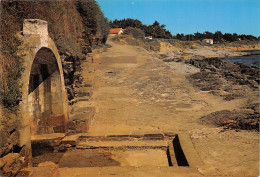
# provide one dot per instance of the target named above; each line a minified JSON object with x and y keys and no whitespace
{"x":207,"y":39}
{"x":115,"y":30}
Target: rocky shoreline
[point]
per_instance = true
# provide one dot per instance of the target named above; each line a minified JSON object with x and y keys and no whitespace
{"x":230,"y":81}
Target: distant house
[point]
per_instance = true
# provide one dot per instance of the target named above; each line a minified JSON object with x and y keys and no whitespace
{"x":149,"y":37}
{"x":116,"y":31}
{"x":209,"y":41}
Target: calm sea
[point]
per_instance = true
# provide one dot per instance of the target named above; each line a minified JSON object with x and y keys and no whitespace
{"x":250,"y":60}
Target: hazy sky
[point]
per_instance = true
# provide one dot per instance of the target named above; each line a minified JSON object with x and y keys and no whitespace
{"x":190,"y":16}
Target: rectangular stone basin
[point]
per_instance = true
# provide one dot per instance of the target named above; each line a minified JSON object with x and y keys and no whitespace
{"x":110,"y":157}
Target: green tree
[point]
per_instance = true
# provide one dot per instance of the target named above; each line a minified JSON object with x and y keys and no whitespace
{"x":155,"y":30}
{"x":96,"y":25}
{"x":218,"y":36}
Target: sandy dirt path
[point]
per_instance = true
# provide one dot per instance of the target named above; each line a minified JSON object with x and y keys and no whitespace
{"x":137,"y":93}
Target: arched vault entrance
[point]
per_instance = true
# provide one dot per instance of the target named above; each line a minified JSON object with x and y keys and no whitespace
{"x":44,"y":104}
{"x":45,"y":94}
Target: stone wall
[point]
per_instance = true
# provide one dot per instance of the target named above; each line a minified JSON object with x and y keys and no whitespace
{"x":72,"y":73}
{"x":12,"y":153}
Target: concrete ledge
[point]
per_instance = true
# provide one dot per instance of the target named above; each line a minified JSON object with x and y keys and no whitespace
{"x":80,"y":122}
{"x":191,"y":154}
{"x":52,"y":136}
{"x":128,"y":171}
{"x":116,"y":144}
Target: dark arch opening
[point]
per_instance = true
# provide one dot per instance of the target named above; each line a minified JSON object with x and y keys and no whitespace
{"x":45,"y":94}
{"x":44,"y":65}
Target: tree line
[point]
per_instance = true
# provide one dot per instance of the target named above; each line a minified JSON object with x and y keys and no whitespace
{"x":156,"y":30}
{"x":218,"y":36}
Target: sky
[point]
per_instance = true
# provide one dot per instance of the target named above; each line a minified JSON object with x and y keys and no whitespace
{"x":190,"y":16}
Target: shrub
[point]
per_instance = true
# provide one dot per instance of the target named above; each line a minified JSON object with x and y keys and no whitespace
{"x":153,"y":45}
{"x":135,"y":32}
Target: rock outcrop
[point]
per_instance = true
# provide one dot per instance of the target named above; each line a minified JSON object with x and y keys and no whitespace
{"x":224,"y":78}
{"x":244,"y":119}
{"x":230,"y":81}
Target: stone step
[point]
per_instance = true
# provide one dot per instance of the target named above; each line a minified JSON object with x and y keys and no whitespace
{"x":118,"y":144}
{"x":85,"y":98}
{"x":85,"y":91}
{"x":83,"y":140}
{"x":89,"y":83}
{"x":132,"y":137}
{"x":81,"y":119}
{"x":52,"y":136}
{"x":71,"y":140}
{"x":187,"y":146}
{"x":119,"y":171}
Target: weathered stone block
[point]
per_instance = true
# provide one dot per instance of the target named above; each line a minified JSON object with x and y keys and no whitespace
{"x":35,"y":26}
{"x":49,"y":130}
{"x":55,"y":120}
{"x":59,"y":129}
{"x":84,"y":127}
{"x":72,"y":125}
{"x":25,"y":135}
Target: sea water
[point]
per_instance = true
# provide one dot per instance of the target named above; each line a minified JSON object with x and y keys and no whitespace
{"x":249,"y":60}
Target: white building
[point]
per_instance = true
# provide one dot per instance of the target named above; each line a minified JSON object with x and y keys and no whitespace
{"x":117,"y":31}
{"x":209,"y":41}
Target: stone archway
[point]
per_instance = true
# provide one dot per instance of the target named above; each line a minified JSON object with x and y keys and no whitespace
{"x":44,"y":104}
{"x":45,"y":94}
